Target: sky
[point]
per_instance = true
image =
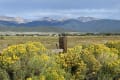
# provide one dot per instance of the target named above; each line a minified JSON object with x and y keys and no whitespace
{"x":109,"y":9}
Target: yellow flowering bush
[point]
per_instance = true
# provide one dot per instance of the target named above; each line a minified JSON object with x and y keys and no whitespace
{"x":114,"y":44}
{"x":52,"y":73}
{"x":39,"y":62}
{"x":16,"y":58}
{"x":46,"y":68}
{"x":73,"y":64}
{"x":93,"y":65}
{"x":114,"y":66}
{"x":32,"y":61}
{"x":76,"y":49}
{"x":13,"y":53}
{"x":105,"y":54}
{"x":96,"y":57}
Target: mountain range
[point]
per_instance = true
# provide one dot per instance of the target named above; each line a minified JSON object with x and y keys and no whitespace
{"x":48,"y":24}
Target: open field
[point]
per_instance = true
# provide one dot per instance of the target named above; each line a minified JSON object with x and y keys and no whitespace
{"x":35,"y":60}
{"x":50,"y":42}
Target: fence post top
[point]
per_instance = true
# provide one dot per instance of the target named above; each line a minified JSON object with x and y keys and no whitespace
{"x":62,"y":34}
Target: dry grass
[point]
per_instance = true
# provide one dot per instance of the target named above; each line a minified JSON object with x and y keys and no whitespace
{"x":50,"y":42}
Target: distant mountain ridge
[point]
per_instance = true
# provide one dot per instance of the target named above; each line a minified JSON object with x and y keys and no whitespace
{"x":14,"y":19}
{"x":47,"y":24}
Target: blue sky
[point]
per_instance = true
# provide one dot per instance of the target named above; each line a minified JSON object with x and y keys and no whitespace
{"x":61,"y":8}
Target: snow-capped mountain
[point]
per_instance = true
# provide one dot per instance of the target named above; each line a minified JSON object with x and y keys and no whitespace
{"x":12,"y":19}
{"x":80,"y":24}
{"x":86,"y":19}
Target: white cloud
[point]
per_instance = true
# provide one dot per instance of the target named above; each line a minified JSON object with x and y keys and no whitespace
{"x":72,"y":13}
{"x":100,"y":13}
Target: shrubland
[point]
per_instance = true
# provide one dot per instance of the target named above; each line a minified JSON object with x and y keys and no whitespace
{"x":32,"y":61}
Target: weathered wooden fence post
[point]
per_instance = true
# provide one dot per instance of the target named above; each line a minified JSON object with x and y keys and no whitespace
{"x":63,"y":42}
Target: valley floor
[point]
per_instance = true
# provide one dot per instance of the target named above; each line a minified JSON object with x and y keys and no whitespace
{"x":52,"y":42}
